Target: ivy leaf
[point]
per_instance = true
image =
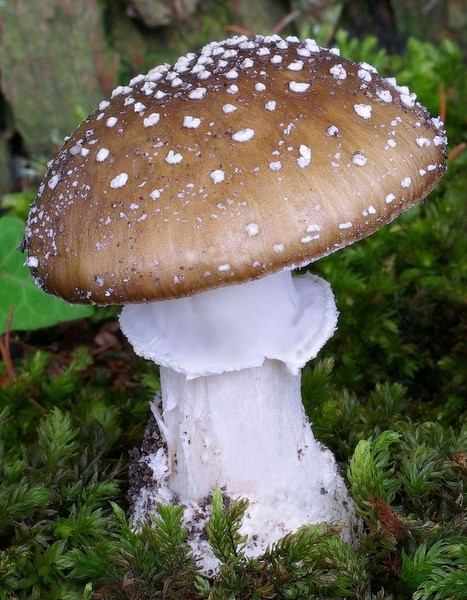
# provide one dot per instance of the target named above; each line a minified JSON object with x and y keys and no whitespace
{"x":34,"y":308}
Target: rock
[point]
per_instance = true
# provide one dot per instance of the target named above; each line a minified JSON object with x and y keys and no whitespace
{"x":260,"y":16}
{"x":53,"y":67}
{"x":155,"y":13}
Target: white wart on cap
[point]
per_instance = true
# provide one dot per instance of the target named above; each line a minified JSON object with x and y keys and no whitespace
{"x":249,"y":157}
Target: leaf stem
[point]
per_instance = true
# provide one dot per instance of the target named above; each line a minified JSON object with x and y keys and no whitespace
{"x":452,"y":154}
{"x":5,"y":347}
{"x":442,"y":103}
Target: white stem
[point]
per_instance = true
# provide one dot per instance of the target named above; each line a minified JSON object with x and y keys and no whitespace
{"x":246,"y":432}
{"x":243,"y":430}
{"x":232,"y":415}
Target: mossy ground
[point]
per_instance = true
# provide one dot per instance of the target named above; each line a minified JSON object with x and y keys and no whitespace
{"x":72,"y":413}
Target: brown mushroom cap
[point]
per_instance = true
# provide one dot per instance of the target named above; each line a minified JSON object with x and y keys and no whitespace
{"x":249,"y":157}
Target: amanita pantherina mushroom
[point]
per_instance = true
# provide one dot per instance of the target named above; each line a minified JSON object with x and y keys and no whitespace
{"x":189,"y":197}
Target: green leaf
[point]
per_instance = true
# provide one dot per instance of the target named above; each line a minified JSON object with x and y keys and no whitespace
{"x":17,"y":204}
{"x":33,"y":308}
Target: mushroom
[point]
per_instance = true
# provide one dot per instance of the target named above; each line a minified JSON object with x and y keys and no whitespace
{"x":189,"y":197}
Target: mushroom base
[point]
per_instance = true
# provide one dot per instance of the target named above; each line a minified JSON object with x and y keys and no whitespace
{"x":209,"y":434}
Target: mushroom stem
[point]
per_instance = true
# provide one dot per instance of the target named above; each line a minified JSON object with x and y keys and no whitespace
{"x":247,"y":432}
{"x":231,"y":414}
